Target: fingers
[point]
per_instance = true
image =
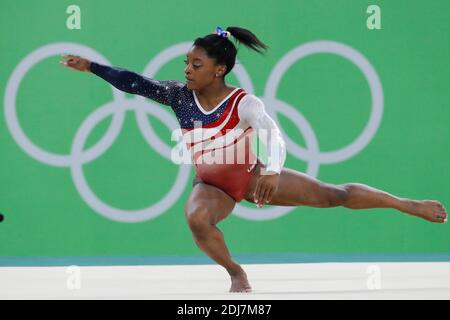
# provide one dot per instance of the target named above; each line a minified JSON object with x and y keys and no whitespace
{"x":67,"y":57}
{"x":267,"y":193}
{"x":271,"y":194}
{"x":257,"y":190}
{"x":263,"y":193}
{"x":70,"y":60}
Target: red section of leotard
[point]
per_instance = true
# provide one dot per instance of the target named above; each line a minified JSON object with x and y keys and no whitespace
{"x":223,"y":157}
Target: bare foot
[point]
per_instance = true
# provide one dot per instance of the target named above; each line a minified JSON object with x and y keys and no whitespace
{"x":239,"y":282}
{"x":430,"y":210}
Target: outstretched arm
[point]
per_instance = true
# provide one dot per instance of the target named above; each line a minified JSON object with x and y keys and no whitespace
{"x":127,"y":81}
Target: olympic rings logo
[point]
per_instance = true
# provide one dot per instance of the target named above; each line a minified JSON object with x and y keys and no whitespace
{"x":142,"y":106}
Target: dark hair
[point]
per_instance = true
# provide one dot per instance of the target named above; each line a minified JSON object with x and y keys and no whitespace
{"x":224,"y":51}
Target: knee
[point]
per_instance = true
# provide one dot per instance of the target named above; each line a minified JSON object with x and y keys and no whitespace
{"x":338,"y":195}
{"x":198,"y":219}
{"x":342,"y":193}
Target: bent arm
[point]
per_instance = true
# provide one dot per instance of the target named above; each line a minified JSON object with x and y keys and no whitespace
{"x":131,"y":82}
{"x":252,"y":110}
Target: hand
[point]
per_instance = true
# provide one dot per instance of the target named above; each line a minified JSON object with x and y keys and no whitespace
{"x":76,"y":62}
{"x":266,"y":186}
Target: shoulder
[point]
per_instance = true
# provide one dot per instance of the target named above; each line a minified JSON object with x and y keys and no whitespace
{"x":251,"y":99}
{"x":250,"y":106}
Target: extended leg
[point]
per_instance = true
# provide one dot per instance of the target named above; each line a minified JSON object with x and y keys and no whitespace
{"x":296,"y":188}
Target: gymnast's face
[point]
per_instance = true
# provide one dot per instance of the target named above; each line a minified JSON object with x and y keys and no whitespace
{"x":201,"y":70}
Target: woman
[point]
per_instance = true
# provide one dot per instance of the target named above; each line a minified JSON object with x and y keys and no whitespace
{"x":205,"y":98}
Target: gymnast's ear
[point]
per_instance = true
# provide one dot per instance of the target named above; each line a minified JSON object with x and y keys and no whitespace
{"x":220,"y":70}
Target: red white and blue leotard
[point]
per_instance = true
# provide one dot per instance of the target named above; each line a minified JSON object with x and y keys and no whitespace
{"x":219,"y":140}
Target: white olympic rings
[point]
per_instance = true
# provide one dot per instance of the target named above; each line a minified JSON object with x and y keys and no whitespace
{"x":141,"y":106}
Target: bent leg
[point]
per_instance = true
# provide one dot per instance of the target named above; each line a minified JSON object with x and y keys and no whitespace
{"x":296,"y":188}
{"x":206,"y":206}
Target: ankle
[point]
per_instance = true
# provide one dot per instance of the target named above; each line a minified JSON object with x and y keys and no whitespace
{"x":234,"y":270}
{"x":405,"y":205}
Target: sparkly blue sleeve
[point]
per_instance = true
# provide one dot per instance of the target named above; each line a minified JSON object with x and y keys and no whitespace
{"x":161,"y":91}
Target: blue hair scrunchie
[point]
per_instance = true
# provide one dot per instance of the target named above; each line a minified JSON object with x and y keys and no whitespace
{"x":222,"y":33}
